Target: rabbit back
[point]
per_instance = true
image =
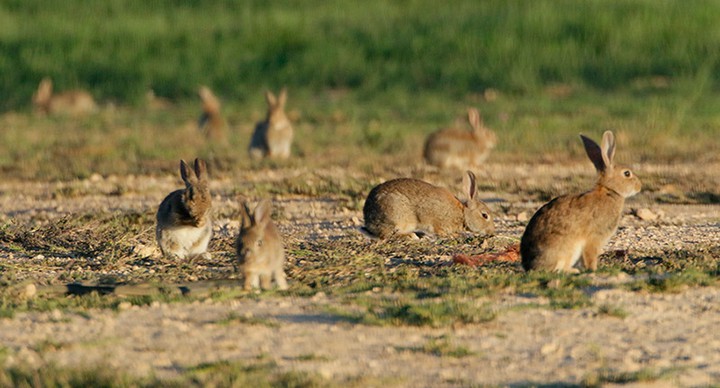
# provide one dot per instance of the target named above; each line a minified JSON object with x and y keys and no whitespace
{"x":454,"y":148}
{"x":408,"y":206}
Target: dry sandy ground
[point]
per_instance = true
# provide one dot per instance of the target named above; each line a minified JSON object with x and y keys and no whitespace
{"x":674,"y":333}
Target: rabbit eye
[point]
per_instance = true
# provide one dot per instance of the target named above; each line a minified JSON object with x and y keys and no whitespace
{"x":485,"y":216}
{"x":259,"y":243}
{"x":627,"y":173}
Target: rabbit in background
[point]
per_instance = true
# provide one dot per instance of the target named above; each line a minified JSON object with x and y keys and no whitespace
{"x":211,"y":121}
{"x":460,"y":148}
{"x":69,"y":103}
{"x":273,"y":136}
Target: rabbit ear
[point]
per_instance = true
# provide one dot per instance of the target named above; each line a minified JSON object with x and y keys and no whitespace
{"x":469,"y":184}
{"x":608,"y":148}
{"x":262,"y":212}
{"x":245,"y":218}
{"x":474,"y":118}
{"x":282,"y":98}
{"x":200,"y":169}
{"x":594,"y":153}
{"x":188,"y":175}
{"x":270,"y":98}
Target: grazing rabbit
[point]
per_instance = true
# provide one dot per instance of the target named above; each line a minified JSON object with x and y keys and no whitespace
{"x":459,"y":148}
{"x":411,"y":207}
{"x":211,"y":121}
{"x":273,"y":136}
{"x":71,"y":102}
{"x":184,"y":219}
{"x":572,"y":226}
{"x":260,"y":248}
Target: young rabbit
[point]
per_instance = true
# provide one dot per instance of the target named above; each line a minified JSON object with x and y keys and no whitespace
{"x":459,"y":148}
{"x":572,"y":226}
{"x":184,"y":219}
{"x":411,"y":207}
{"x":211,"y":121}
{"x":273,"y":136}
{"x":71,"y":102}
{"x":260,"y":248}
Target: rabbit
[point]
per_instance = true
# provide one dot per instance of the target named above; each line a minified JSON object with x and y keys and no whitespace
{"x":211,"y":121}
{"x":273,"y":136}
{"x":184,"y":218}
{"x":260,"y":248}
{"x":71,"y":102}
{"x":571,"y":226}
{"x":459,"y":148}
{"x":407,"y":207}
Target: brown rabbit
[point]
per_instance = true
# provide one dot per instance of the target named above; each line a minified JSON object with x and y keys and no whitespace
{"x":411,"y":207}
{"x":572,"y":226}
{"x":211,"y":121}
{"x":70,"y":103}
{"x":273,"y":136}
{"x":184,"y":218}
{"x":459,"y":148}
{"x":260,"y":248}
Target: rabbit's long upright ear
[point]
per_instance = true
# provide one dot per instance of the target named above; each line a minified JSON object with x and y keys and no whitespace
{"x":608,"y":148}
{"x":469,"y":184}
{"x":270,"y":98}
{"x":594,"y":153}
{"x":200,"y":169}
{"x":474,"y":119}
{"x":245,"y":219}
{"x":282,"y":98}
{"x":187,"y":175}
{"x":262,"y":212}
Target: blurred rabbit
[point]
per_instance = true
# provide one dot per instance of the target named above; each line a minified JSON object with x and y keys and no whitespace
{"x":184,"y":219}
{"x":70,"y":103}
{"x":572,"y":226}
{"x":260,"y":248}
{"x":273,"y":136}
{"x":211,"y":121}
{"x":459,"y":148}
{"x":411,"y":207}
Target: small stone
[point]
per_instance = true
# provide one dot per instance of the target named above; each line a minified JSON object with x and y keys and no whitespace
{"x":522,"y":217}
{"x":645,"y":214}
{"x":124,"y":306}
{"x":355,"y":221}
{"x":29,"y":290}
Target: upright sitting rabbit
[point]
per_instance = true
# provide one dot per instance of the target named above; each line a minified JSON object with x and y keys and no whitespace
{"x":184,"y":219}
{"x":260,"y":248}
{"x":211,"y":121}
{"x":574,"y":226}
{"x":273,"y":136}
{"x":411,"y":207}
{"x":460,"y":148}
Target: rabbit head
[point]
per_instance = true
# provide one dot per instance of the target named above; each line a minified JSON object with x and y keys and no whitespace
{"x":618,"y":179}
{"x":196,"y":197}
{"x":44,"y":92}
{"x":276,"y":107}
{"x":476,"y":214}
{"x":253,"y":228}
{"x":481,"y":134}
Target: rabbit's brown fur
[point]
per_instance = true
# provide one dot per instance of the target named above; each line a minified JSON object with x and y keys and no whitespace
{"x":260,"y":249}
{"x":211,"y":121}
{"x":71,"y":102}
{"x":574,"y":226}
{"x":273,"y":137}
{"x":411,"y":207}
{"x":184,"y":218}
{"x":460,"y":148}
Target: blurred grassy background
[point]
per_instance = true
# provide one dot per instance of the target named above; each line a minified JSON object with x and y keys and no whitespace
{"x":383,"y":73}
